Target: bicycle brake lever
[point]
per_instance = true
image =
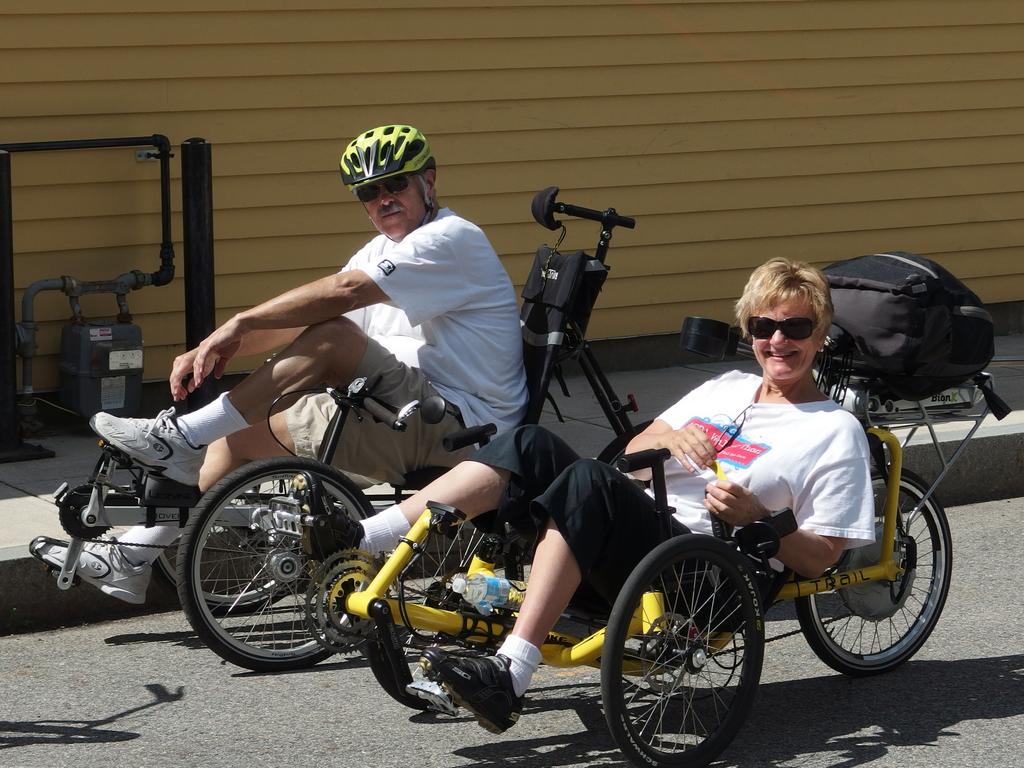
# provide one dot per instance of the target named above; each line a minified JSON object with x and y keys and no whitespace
{"x":407,"y":410}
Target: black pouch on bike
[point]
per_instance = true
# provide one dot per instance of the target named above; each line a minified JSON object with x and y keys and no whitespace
{"x":911,"y":320}
{"x":558,"y":297}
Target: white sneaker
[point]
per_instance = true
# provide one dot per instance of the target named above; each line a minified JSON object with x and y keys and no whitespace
{"x":155,"y":443}
{"x":100,"y":564}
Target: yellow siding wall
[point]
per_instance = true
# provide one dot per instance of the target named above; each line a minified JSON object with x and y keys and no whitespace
{"x":733,"y":131}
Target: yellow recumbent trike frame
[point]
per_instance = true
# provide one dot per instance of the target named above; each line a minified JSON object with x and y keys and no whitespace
{"x":681,"y":652}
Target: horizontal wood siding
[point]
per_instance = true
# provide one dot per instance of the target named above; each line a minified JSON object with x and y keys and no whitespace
{"x":733,"y":131}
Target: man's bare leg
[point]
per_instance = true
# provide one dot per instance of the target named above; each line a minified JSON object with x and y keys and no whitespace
{"x":239,"y":448}
{"x":325,"y":353}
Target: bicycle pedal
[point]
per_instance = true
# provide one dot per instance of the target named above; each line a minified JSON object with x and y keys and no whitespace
{"x":436,"y":697}
{"x":54,"y":571}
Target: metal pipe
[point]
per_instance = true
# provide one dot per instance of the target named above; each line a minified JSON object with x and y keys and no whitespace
{"x":27,"y":329}
{"x":197,"y":237}
{"x":123,"y":283}
{"x":165,"y":273}
{"x":11,"y":446}
{"x":8,"y":410}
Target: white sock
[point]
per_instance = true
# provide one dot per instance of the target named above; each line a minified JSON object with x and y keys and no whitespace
{"x":524,"y":658}
{"x":382,"y":532}
{"x":140,"y":534}
{"x":211,"y":422}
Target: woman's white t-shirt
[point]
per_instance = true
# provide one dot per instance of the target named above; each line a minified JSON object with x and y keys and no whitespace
{"x":452,"y":313}
{"x":811,"y":457}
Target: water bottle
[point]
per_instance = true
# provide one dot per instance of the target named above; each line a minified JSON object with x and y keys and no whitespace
{"x":486,"y":592}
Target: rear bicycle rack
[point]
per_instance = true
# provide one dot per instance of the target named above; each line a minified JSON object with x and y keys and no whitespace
{"x":963,"y":404}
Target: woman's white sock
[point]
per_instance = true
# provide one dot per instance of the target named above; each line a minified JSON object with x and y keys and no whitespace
{"x":524,"y":658}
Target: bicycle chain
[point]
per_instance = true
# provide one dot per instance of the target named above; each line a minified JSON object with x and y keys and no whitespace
{"x":784,"y":635}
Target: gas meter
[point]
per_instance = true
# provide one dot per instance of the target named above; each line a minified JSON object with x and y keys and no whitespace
{"x":101,"y":364}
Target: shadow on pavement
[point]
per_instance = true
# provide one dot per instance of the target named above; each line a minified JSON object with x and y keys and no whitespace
{"x":846,"y":721}
{"x":181,"y":639}
{"x":856,"y":721}
{"x":21,"y":734}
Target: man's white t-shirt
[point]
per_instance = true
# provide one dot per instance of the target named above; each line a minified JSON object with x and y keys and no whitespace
{"x":811,"y":457}
{"x":452,"y":313}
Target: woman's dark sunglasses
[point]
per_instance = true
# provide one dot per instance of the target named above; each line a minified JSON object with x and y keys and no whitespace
{"x":393,"y":184}
{"x":796,"y":328}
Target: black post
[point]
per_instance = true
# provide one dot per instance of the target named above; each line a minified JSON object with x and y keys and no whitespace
{"x":197,"y":233}
{"x":11,"y":447}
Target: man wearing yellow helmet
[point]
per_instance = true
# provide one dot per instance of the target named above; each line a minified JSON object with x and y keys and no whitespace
{"x":424,"y":308}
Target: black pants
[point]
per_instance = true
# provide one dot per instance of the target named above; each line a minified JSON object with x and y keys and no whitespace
{"x":608,"y":521}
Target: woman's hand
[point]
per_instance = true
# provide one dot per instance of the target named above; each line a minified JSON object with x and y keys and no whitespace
{"x":689,"y":446}
{"x":733,"y":503}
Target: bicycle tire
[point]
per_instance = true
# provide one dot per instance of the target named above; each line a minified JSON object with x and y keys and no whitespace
{"x":677,"y":693}
{"x":851,"y":632}
{"x":617,"y":447}
{"x":243,"y":589}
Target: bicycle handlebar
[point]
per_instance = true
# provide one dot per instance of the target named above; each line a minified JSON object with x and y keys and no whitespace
{"x":647,"y":459}
{"x":544,"y":208}
{"x":431,"y":409}
{"x":381,"y":413}
{"x":464,"y":437}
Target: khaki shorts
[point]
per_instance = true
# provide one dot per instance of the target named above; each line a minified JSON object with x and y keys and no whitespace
{"x":368,"y":450}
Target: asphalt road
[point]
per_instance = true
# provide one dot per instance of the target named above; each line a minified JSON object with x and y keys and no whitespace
{"x":142,"y":692}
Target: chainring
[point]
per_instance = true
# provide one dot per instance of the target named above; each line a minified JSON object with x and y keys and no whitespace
{"x":342,"y":574}
{"x":69,"y":512}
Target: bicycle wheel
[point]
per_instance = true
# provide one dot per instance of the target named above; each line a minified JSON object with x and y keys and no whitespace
{"x":427,"y":581}
{"x":617,"y":447}
{"x":875,"y":627}
{"x":242,"y":579}
{"x":678,"y":684}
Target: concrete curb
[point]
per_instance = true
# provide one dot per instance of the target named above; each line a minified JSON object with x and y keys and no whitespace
{"x":989,"y":469}
{"x":30,"y":600}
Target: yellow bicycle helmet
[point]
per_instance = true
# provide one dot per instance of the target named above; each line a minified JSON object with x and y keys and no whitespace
{"x":385,"y":151}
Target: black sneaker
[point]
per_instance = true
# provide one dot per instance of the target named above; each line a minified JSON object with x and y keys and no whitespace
{"x":331,"y":533}
{"x":481,"y":685}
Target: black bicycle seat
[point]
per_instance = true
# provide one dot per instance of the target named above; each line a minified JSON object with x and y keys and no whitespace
{"x":543,"y":207}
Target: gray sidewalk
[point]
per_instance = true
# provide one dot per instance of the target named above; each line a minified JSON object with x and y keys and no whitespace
{"x":990,"y":468}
